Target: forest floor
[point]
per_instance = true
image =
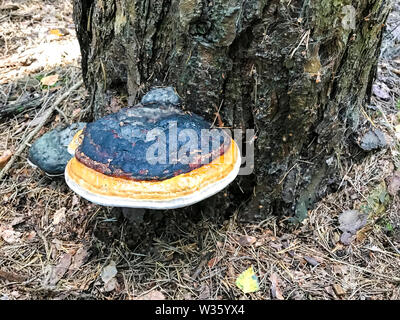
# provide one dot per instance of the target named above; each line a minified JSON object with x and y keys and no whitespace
{"x":56,"y":245}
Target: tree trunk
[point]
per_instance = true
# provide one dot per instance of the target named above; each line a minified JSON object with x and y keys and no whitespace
{"x":296,"y":71}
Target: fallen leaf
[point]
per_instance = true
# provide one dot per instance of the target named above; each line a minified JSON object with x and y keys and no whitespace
{"x":381,"y":91}
{"x":75,"y":200}
{"x":330,"y":291}
{"x":78,"y":259}
{"x":346,"y":238}
{"x":49,"y":80}
{"x":11,"y":276}
{"x":62,"y":267}
{"x":247,"y":281}
{"x":276,"y":246}
{"x":152,"y":295}
{"x":394,"y":184}
{"x":362,"y":234}
{"x":29,"y":236}
{"x":372,"y":140}
{"x":76,"y":113}
{"x":17,"y":221}
{"x":275,"y":289}
{"x":338,"y":290}
{"x":10,"y":236}
{"x":212,"y":262}
{"x":246,"y":241}
{"x":205,"y":292}
{"x":59,"y":32}
{"x":4,"y":158}
{"x":52,"y":89}
{"x":311,"y":261}
{"x":111,"y":285}
{"x":59,"y":215}
{"x":109,"y":272}
{"x":350,"y":221}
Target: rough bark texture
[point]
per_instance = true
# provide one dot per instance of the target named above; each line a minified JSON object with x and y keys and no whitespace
{"x":288,"y":69}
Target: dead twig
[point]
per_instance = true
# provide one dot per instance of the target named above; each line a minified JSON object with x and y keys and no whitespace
{"x":201,"y":265}
{"x":20,"y":107}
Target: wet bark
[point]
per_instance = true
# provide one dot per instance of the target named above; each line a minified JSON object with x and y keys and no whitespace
{"x":289,"y":69}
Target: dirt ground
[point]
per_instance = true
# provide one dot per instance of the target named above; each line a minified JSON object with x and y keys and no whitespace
{"x":55,"y":245}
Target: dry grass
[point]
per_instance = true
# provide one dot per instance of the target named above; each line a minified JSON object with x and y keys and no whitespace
{"x":183,"y":257}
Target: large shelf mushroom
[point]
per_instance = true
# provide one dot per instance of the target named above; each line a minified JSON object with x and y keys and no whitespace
{"x":151,"y":156}
{"x":112,"y":165}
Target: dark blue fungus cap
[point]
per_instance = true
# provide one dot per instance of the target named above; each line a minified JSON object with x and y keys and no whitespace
{"x":150,"y":143}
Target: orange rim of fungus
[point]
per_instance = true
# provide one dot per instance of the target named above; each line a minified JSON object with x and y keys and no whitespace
{"x":182,"y":185}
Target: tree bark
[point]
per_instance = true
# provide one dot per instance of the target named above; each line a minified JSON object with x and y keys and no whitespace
{"x":289,"y":69}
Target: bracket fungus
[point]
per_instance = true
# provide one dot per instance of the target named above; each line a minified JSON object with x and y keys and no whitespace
{"x":151,"y":156}
{"x":50,"y":151}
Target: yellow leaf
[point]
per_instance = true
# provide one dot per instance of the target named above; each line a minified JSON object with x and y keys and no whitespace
{"x":247,"y":281}
{"x":49,"y":80}
{"x":56,"y":32}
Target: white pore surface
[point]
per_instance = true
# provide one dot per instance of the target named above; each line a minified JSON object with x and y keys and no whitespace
{"x":46,"y":173}
{"x":184,"y":201}
{"x":31,"y":164}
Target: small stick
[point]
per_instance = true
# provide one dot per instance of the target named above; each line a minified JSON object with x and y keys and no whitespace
{"x":63,"y":114}
{"x":202,"y":264}
{"x":14,"y":108}
{"x":218,"y":116}
{"x":10,"y":88}
{"x":37,"y":129}
{"x":305,"y":35}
